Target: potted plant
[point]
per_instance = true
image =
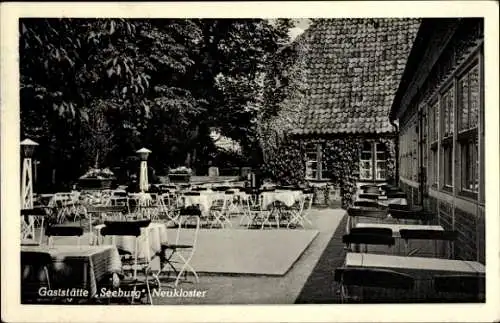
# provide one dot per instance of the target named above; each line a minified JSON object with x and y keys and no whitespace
{"x":180,"y":175}
{"x":97,"y":178}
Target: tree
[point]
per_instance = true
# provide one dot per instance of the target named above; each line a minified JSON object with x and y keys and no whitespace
{"x":95,"y":90}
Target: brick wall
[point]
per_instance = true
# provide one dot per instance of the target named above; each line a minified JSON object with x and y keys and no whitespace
{"x":432,"y":206}
{"x":470,"y":244}
{"x":445,"y":215}
{"x":480,"y":231}
{"x":466,"y":244}
{"x":411,"y":192}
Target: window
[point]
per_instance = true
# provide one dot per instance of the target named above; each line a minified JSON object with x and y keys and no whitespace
{"x":469,"y":165}
{"x":468,"y":100}
{"x":434,"y":160}
{"x":311,"y":162}
{"x":448,"y":118}
{"x":448,"y":122}
{"x":424,"y":142}
{"x":455,"y":130}
{"x":448,"y":165}
{"x":433,"y":139}
{"x":316,"y":165}
{"x":468,"y":112}
{"x":373,"y":161}
{"x":366,"y":159}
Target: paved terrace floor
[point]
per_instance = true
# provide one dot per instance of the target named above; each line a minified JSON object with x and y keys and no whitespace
{"x":309,"y":280}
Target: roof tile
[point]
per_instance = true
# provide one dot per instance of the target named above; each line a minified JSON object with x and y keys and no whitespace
{"x":353,"y":67}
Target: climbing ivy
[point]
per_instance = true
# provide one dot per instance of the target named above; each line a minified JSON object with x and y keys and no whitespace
{"x":286,"y":163}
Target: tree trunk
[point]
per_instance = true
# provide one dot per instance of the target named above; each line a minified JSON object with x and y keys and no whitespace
{"x":96,"y":165}
{"x":193,"y":158}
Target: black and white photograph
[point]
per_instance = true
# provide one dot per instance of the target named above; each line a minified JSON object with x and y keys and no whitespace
{"x":251,"y":161}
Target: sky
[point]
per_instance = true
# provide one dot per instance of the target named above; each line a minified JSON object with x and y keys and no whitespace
{"x":302,"y":25}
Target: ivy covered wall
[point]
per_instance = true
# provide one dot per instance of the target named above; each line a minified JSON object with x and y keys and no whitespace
{"x":286,"y":164}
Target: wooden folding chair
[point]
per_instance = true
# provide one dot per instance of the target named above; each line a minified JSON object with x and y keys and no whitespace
{"x":63,"y":231}
{"x":180,"y":252}
{"x":35,"y":274}
{"x":370,"y":278}
{"x":29,"y":220}
{"x":131,"y":264}
{"x":374,"y":211}
{"x":370,"y":236}
{"x":404,"y":215}
{"x":434,"y":235}
{"x":217,"y":214}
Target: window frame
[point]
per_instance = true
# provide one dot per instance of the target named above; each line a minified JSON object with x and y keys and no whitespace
{"x":447,"y":139}
{"x":467,"y":136}
{"x":318,"y":161}
{"x":433,"y":146}
{"x":459,"y":136}
{"x":374,"y":169}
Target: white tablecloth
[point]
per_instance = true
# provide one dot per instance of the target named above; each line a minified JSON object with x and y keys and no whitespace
{"x":71,"y":262}
{"x":286,"y":197}
{"x":207,"y":198}
{"x":155,"y":233}
{"x":204,"y":200}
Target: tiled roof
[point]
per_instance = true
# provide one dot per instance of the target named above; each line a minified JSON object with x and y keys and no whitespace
{"x":353,"y":68}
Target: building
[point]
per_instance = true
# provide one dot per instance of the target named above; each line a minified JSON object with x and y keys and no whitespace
{"x":439,"y":107}
{"x":350,"y":70}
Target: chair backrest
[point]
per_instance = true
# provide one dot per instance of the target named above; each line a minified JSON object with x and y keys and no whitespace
{"x":371,"y":277}
{"x":308,"y":201}
{"x":38,"y":211}
{"x":464,"y":284}
{"x":218,"y":203}
{"x":392,"y":206}
{"x":142,"y":223}
{"x":124,"y":228}
{"x":366,"y":186}
{"x":369,"y":239}
{"x":367,"y":212}
{"x":119,"y":193}
{"x":191,"y":193}
{"x":220,"y":188}
{"x":372,"y":230}
{"x":307,"y":191}
{"x":107,"y":209}
{"x":395,"y":195}
{"x":428,"y":234}
{"x":63,"y":231}
{"x":370,"y":204}
{"x":368,"y":196}
{"x":190,"y":211}
{"x":287,"y":188}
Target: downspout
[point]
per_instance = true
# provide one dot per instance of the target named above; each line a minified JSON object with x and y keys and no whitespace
{"x":396,"y":151}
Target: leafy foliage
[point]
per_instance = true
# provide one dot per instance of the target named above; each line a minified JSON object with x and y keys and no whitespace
{"x":95,"y":90}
